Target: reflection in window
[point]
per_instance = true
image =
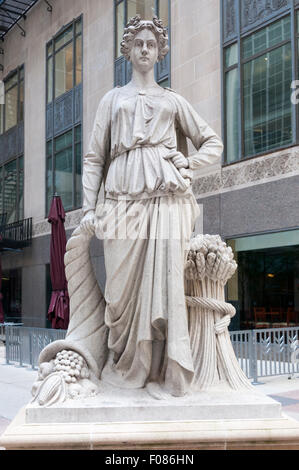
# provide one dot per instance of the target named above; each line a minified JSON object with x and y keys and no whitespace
{"x":64,"y":61}
{"x":147,"y":9}
{"x":12,"y":112}
{"x":258,"y":109}
{"x":64,"y":169}
{"x":12,"y":190}
{"x":64,"y":70}
{"x":267,"y":104}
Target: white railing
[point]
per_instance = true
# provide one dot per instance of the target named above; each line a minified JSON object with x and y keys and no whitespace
{"x":261,"y":353}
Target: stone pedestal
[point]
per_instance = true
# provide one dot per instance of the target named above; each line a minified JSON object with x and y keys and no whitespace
{"x":218,"y":419}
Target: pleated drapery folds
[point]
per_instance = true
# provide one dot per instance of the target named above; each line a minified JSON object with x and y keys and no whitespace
{"x":145,"y":299}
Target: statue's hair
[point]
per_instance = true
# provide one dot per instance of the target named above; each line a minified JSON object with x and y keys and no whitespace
{"x":135,"y":25}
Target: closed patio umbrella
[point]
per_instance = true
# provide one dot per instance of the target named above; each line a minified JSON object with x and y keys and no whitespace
{"x":58,"y":312}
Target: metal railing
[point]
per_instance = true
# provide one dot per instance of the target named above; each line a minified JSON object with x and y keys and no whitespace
{"x":24,"y":344}
{"x":260,"y":353}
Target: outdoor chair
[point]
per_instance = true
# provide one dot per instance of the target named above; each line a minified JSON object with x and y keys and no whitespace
{"x":260,"y":317}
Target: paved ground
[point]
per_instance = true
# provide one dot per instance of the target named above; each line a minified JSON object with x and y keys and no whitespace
{"x":16,"y":382}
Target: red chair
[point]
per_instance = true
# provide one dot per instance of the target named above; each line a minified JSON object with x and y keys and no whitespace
{"x":260,"y":317}
{"x":291,"y":317}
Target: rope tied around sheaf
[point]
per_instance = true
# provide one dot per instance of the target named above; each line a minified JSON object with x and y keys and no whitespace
{"x":213,"y":305}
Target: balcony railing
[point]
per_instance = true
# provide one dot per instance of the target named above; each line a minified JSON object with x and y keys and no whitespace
{"x":16,"y":235}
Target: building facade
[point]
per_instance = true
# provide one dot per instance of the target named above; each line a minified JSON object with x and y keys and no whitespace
{"x":234,"y":60}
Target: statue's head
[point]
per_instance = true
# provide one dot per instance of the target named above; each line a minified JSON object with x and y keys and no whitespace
{"x":147,"y":38}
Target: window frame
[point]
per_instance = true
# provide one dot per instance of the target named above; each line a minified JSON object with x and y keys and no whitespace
{"x":116,"y":59}
{"x":20,"y":73}
{"x":52,"y":56}
{"x":239,"y":37}
{"x":75,"y":124}
{"x":18,"y":210}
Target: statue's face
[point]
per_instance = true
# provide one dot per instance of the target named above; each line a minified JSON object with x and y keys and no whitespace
{"x":144,"y":52}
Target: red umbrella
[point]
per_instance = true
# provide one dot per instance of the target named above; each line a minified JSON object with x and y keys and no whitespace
{"x":58,"y":312}
{"x":1,"y":295}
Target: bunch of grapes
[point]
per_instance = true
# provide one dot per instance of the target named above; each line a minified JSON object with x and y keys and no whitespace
{"x":71,"y":366}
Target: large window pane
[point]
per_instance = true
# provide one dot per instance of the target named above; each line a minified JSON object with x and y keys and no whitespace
{"x":231,"y":55}
{"x":64,"y":38}
{"x":144,"y":8}
{"x":267,"y":37}
{"x":10,"y":191}
{"x":78,"y":72}
{"x":11,"y":81}
{"x":11,"y":108}
{"x":64,"y":177}
{"x":63,"y":141}
{"x":232,"y":115}
{"x":163,"y":12}
{"x":50,"y":80}
{"x":21,"y":102}
{"x":267,"y":104}
{"x":64,"y":70}
{"x":120,"y":21}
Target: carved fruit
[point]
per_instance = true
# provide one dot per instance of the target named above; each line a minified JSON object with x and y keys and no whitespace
{"x":51,"y":390}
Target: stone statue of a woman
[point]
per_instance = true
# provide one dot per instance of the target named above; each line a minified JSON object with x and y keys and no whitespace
{"x":135,"y":149}
{"x":139,"y":334}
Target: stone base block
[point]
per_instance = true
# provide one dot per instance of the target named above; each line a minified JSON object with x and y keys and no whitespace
{"x":238,"y":434}
{"x":115,"y":405}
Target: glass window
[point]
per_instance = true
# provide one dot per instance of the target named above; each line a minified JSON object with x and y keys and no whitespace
{"x":63,"y":152}
{"x":78,"y":60}
{"x":145,"y":8}
{"x":231,"y":55}
{"x":63,"y":141}
{"x":232,"y":115}
{"x":64,"y":38}
{"x":120,"y":22}
{"x":12,"y":111}
{"x":263,"y":289}
{"x":21,"y":101}
{"x":64,"y":70}
{"x":10,"y":191}
{"x":78,"y":26}
{"x":11,"y":108}
{"x":259,"y":107}
{"x":267,"y":104}
{"x":50,"y":80}
{"x":67,"y":68}
{"x":268,"y":37}
{"x":64,"y":177}
{"x":163,"y":12}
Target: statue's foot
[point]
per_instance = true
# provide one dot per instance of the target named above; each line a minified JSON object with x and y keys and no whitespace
{"x":156,"y":391}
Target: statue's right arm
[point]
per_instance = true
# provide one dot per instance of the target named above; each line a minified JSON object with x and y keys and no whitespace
{"x":94,"y":161}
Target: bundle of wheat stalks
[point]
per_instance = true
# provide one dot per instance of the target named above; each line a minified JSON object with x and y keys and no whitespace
{"x":210,"y":263}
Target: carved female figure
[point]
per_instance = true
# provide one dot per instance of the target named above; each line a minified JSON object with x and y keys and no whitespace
{"x":135,"y":148}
